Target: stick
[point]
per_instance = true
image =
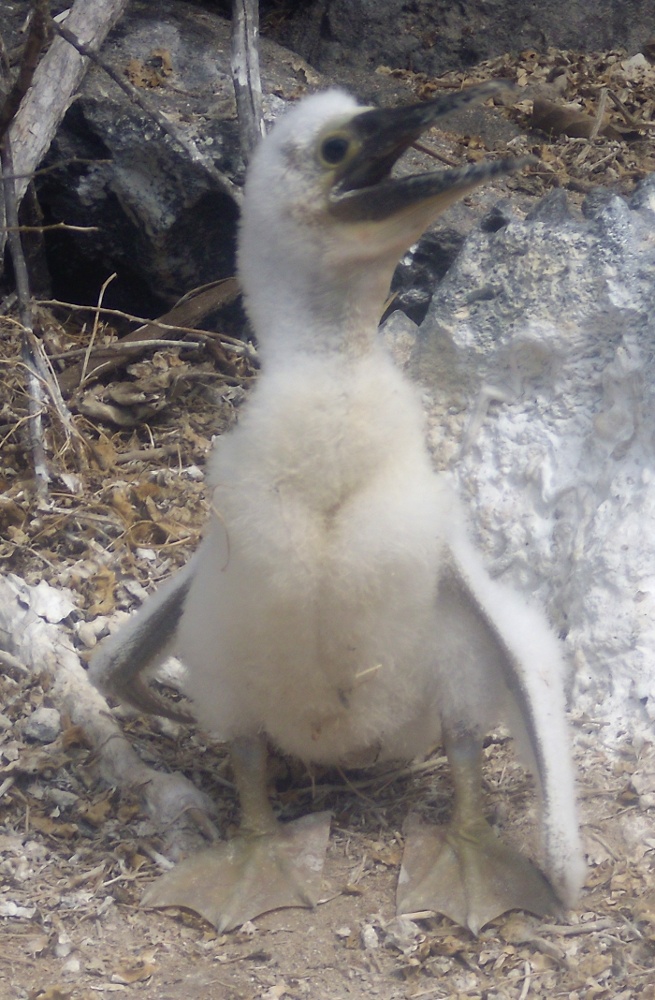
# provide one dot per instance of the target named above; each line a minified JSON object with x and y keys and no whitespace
{"x":188,"y":311}
{"x":245,"y":73}
{"x":36,"y":39}
{"x":600,"y":114}
{"x":56,"y":79}
{"x":13,"y":234}
{"x":34,"y":386}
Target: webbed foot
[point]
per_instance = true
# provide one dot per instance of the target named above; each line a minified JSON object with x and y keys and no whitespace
{"x":464,"y":870}
{"x":467,"y":873}
{"x":251,"y":874}
{"x":267,"y":865}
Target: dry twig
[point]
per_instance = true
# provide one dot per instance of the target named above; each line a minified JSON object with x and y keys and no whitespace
{"x":245,"y":73}
{"x":34,"y":386}
{"x":192,"y":308}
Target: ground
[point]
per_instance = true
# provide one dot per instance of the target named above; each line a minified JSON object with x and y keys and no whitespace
{"x":122,"y":511}
{"x":77,"y":856}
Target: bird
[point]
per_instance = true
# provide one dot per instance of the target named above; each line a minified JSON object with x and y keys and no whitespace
{"x":336,"y":610}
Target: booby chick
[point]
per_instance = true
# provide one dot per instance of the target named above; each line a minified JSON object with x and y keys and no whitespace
{"x":335,"y":608}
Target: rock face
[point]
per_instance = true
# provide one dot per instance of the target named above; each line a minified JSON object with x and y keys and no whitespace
{"x":538,"y":359}
{"x":163,"y":220}
{"x":433,"y":36}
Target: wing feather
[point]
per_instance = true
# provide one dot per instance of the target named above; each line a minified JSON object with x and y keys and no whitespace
{"x":504,"y":664}
{"x":142,"y":644}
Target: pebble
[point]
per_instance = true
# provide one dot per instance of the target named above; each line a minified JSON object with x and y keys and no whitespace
{"x":62,"y":798}
{"x":43,"y":725}
{"x":370,"y":939}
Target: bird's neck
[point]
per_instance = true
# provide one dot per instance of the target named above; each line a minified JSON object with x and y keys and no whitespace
{"x":324,"y":314}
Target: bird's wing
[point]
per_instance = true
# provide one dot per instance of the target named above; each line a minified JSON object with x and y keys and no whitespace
{"x":141,"y":645}
{"x":501,"y":662}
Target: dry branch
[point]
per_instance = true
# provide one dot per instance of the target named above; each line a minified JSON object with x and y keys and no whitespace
{"x":34,"y":385}
{"x":36,"y":39}
{"x":55,"y":82}
{"x":189,"y":311}
{"x":245,"y":73}
{"x":28,"y":637}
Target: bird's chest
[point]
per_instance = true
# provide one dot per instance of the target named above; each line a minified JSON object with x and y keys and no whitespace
{"x":325,"y":546}
{"x":325,"y":490}
{"x":307,"y":454}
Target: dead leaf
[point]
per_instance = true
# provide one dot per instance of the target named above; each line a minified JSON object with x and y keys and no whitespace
{"x":10,"y":512}
{"x":594,"y":965}
{"x":92,"y":406}
{"x":50,"y":993}
{"x":135,"y":970}
{"x":644,"y":908}
{"x":74,"y":736}
{"x":17,"y":535}
{"x":122,"y":503}
{"x":104,"y":584}
{"x":39,"y":760}
{"x":52,"y":827}
{"x":103,"y":451}
{"x":96,"y":812}
{"x":126,"y":393}
{"x":558,"y":119}
{"x":275,"y":992}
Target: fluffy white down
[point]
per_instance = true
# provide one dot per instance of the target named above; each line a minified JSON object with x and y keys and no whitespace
{"x":317,"y":582}
{"x":313,"y":615}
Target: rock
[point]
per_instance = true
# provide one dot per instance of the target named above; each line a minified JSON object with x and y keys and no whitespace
{"x":50,"y":603}
{"x":61,"y":798}
{"x":402,"y":934}
{"x":42,"y":726}
{"x":369,"y":936}
{"x":537,"y":355}
{"x":434,"y":36}
{"x":165,"y":221}
{"x":422,"y":266}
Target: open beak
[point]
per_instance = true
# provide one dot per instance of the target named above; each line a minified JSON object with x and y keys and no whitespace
{"x":364,"y":190}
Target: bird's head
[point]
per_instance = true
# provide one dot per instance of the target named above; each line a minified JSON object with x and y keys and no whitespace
{"x":324,"y":221}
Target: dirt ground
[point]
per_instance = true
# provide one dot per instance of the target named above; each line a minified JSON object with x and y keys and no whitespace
{"x":76,"y":857}
{"x":123,"y":510}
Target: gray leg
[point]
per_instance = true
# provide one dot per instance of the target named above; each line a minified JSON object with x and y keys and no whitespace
{"x":464,"y":870}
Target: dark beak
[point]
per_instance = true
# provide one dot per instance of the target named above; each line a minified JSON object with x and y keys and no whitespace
{"x":364,"y":190}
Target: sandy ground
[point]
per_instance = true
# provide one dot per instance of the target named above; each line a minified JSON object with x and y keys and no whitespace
{"x":76,"y":857}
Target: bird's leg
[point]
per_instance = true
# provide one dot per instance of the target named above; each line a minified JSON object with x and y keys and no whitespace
{"x":464,"y":870}
{"x":265,"y":866}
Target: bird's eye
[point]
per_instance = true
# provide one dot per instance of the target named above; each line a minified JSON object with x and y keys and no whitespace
{"x":334,"y":149}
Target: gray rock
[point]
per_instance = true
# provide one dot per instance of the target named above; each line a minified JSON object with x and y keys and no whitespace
{"x":434,"y":36}
{"x":163,"y":221}
{"x":43,"y":725}
{"x":61,"y":798}
{"x":537,"y":356}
